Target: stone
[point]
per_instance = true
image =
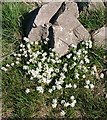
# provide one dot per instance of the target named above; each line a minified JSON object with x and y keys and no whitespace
{"x":96,"y":5}
{"x":38,"y":33}
{"x":68,"y":31}
{"x":46,"y":13}
{"x":100,"y":37}
{"x":58,"y":21}
{"x":72,"y":8}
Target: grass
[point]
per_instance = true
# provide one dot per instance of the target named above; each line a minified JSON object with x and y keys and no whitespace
{"x":12,"y":14}
{"x":18,"y":104}
{"x":93,"y":19}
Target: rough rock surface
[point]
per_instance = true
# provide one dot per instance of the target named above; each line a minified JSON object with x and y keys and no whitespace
{"x":100,"y":37}
{"x":46,"y":12}
{"x":96,"y":5}
{"x":70,"y":31}
{"x":44,"y":16}
{"x":58,"y":21}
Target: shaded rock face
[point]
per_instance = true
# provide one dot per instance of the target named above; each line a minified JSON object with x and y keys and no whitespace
{"x":100,"y":37}
{"x":58,"y":21}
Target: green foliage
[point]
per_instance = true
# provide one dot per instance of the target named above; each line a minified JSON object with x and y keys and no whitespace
{"x":93,"y":19}
{"x":12,"y":16}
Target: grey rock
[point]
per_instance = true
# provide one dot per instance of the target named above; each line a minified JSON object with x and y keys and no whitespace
{"x":38,"y":33}
{"x":96,"y":5}
{"x":68,"y":31}
{"x":72,"y":9}
{"x":46,"y":13}
{"x":100,"y":37}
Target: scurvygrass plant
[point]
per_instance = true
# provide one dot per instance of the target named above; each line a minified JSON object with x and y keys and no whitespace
{"x":60,"y":80}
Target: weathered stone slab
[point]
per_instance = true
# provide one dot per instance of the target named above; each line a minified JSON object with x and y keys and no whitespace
{"x":100,"y":37}
{"x":72,"y":9}
{"x":96,"y":5}
{"x":38,"y":33}
{"x":46,"y":12}
{"x":70,"y":31}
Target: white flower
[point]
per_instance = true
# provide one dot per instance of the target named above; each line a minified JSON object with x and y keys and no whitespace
{"x":15,"y":54}
{"x":26,"y":39}
{"x":12,"y":64}
{"x":47,"y":39}
{"x":86,"y":86}
{"x":90,"y":44}
{"x":57,"y":70}
{"x":54,"y":105}
{"x":59,"y":87}
{"x":79,"y":52}
{"x":17,"y":62}
{"x":50,"y":90}
{"x":72,"y":104}
{"x":53,"y":87}
{"x":69,"y":55}
{"x":36,"y":43}
{"x":94,"y":68}
{"x":92,"y":72}
{"x":74,"y":101}
{"x":81,"y":62}
{"x":74,"y":46}
{"x":25,"y":67}
{"x":74,"y":58}
{"x":27,"y":90}
{"x":66,"y":104}
{"x":28,"y":62}
{"x":91,"y":86}
{"x":106,"y":96}
{"x":26,"y":55}
{"x":72,"y":97}
{"x":31,"y":78}
{"x":53,"y":50}
{"x":40,"y":89}
{"x":19,"y":55}
{"x":75,"y":86}
{"x":7,"y":65}
{"x":21,"y":45}
{"x":62,"y":101}
{"x":4,"y":69}
{"x":62,"y":113}
{"x":83,"y":76}
{"x":48,"y":81}
{"x":85,"y":52}
{"x":76,"y":75}
{"x":68,"y":86}
{"x":54,"y":101}
{"x":17,"y":58}
{"x":87,"y":82}
{"x":28,"y":46}
{"x":102,"y":75}
{"x":87,"y":60}
{"x":65,"y":69}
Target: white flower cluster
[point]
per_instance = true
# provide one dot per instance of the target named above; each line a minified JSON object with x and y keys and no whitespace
{"x":68,"y":104}
{"x":51,"y":73}
{"x":88,"y":85}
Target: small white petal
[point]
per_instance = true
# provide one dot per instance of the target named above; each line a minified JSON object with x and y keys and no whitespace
{"x":87,"y":82}
{"x":62,"y":113}
{"x":72,"y":97}
{"x":102,"y":75}
{"x":86,"y":86}
{"x":27,"y":90}
{"x":91,"y":86}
